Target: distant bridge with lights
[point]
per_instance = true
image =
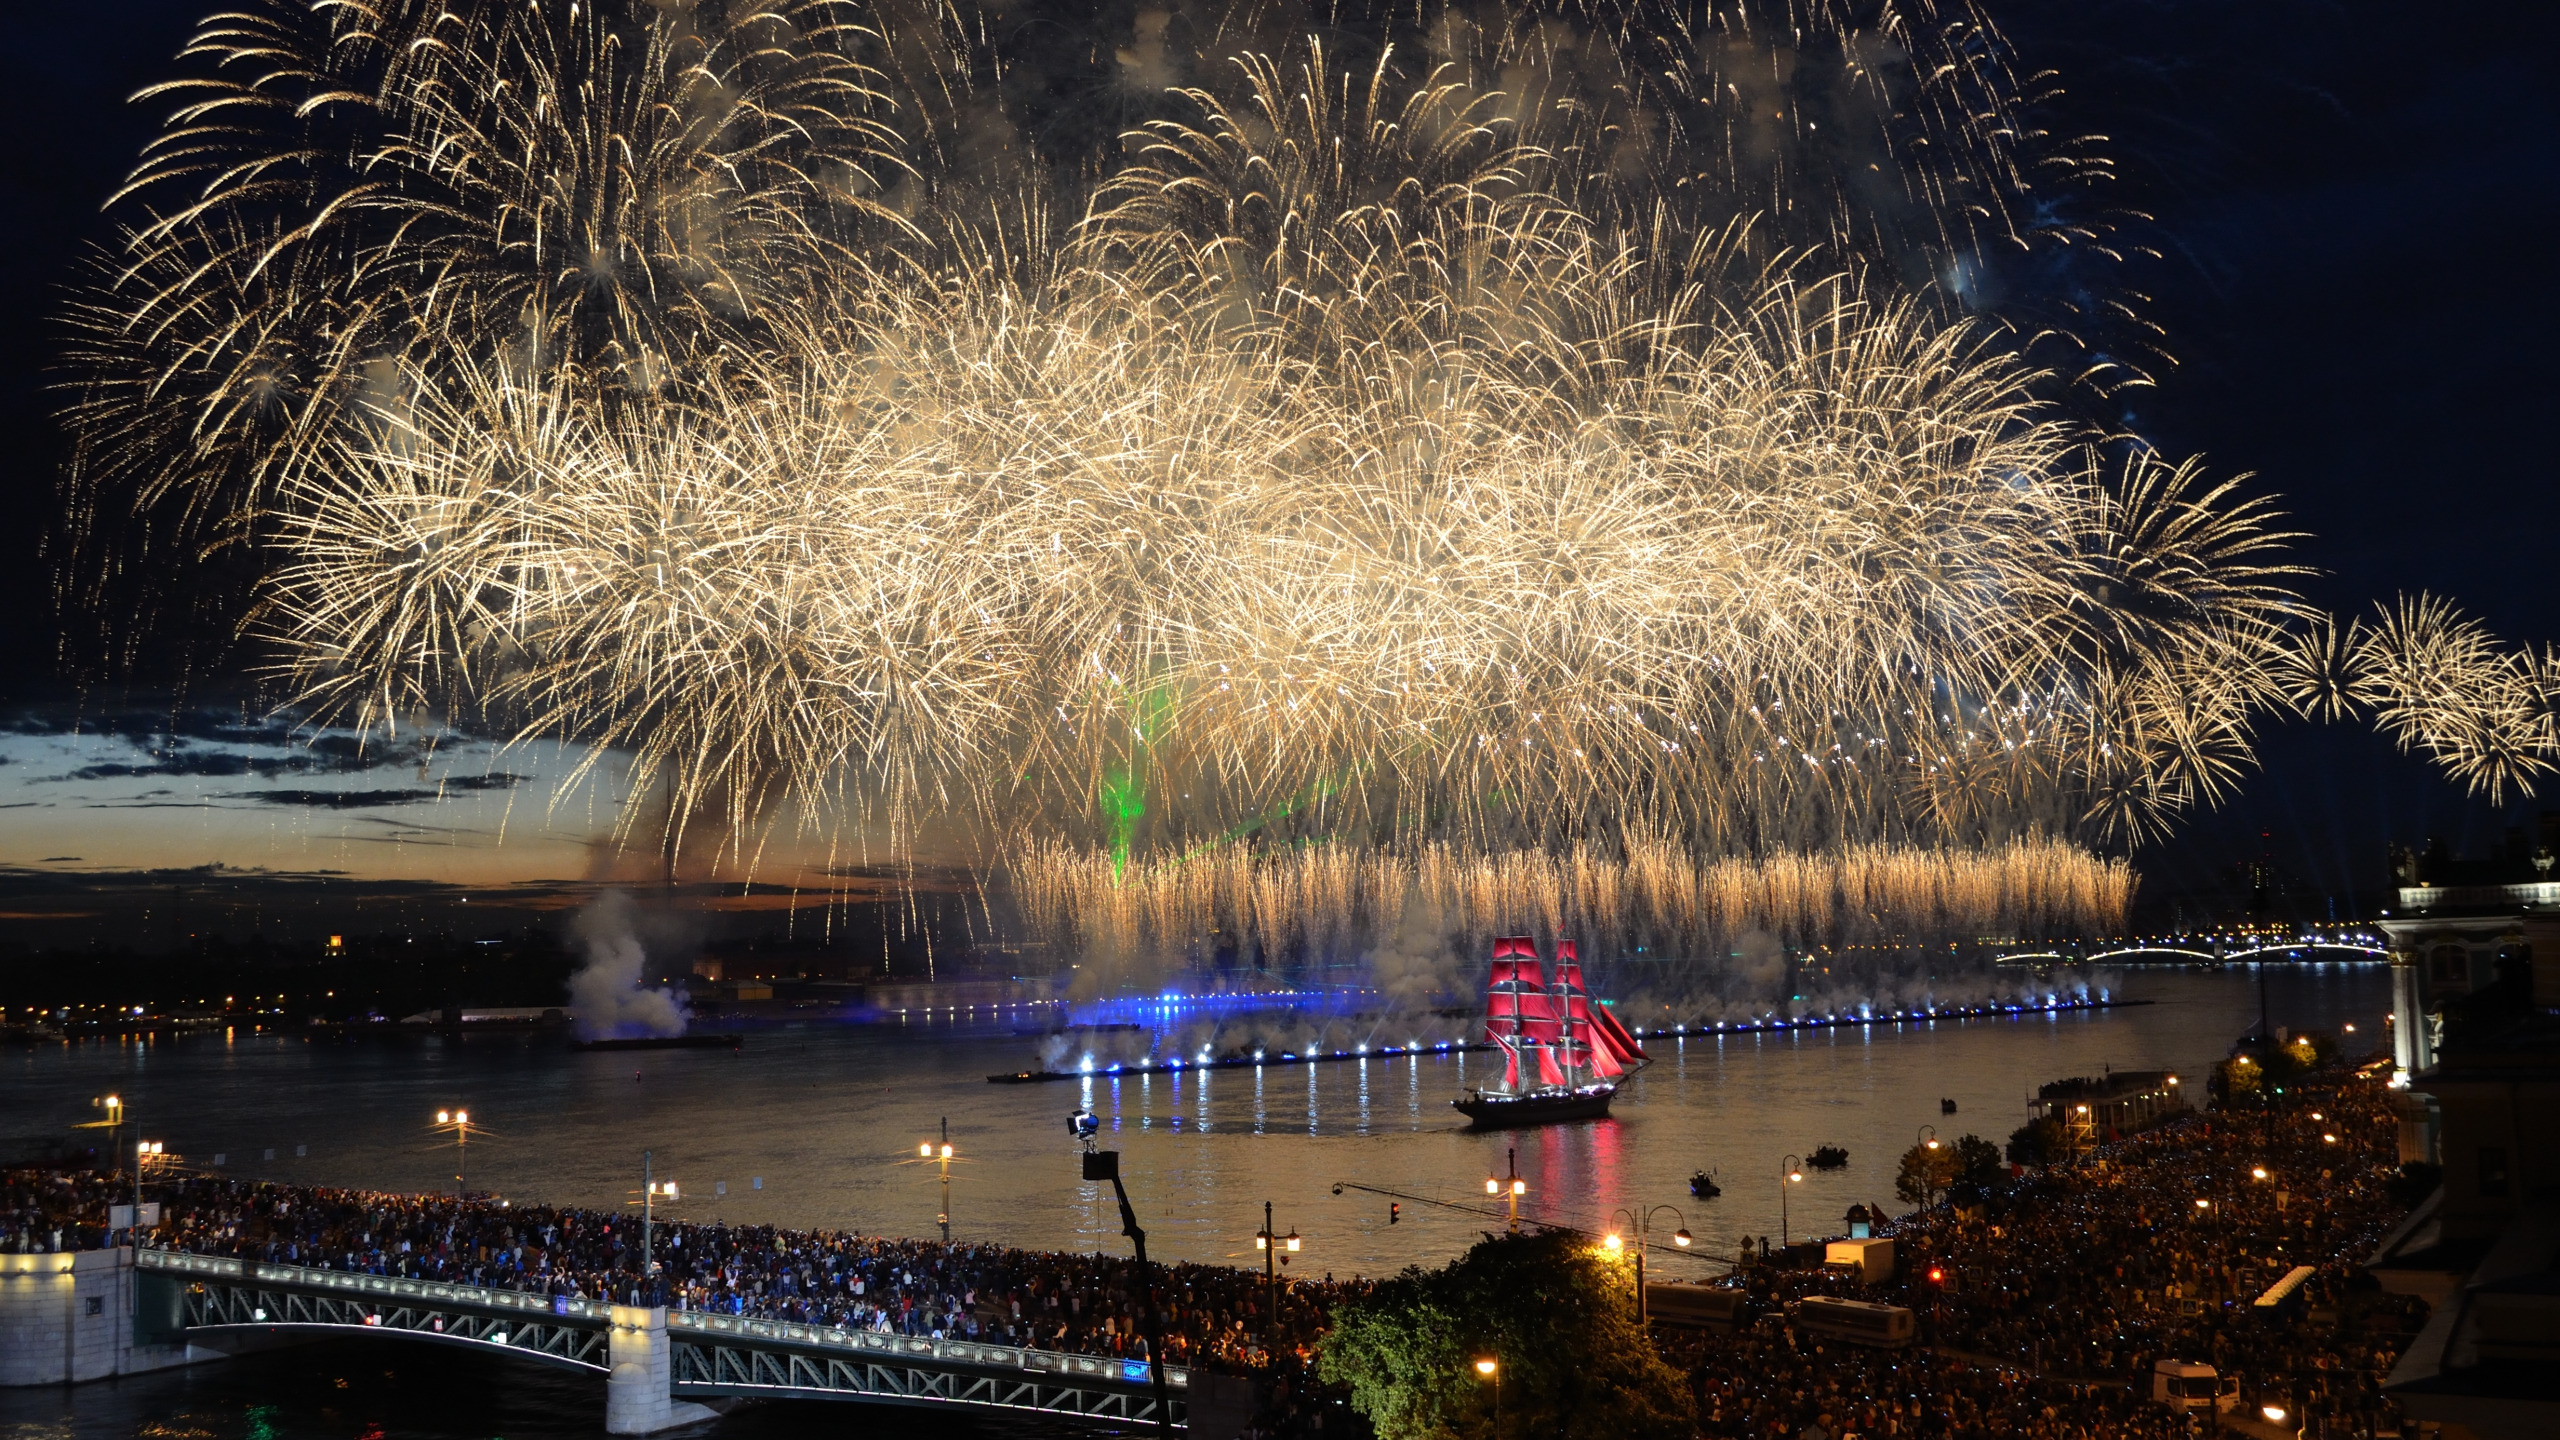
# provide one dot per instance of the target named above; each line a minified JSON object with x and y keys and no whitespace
{"x":2330,"y":947}
{"x":658,"y":1365}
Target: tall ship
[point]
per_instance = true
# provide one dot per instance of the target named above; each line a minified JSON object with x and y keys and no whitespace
{"x":1562,"y":1056}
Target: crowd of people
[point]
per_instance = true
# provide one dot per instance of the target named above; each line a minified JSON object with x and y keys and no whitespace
{"x":1086,"y":1303}
{"x":1771,"y":1380}
{"x":2054,"y":1299}
{"x":2051,"y":1297}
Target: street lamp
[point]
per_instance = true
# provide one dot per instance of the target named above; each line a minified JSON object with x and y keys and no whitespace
{"x":1793,"y":1170}
{"x":1270,"y":1245}
{"x":927,"y":1151}
{"x":1515,"y":1187}
{"x":1926,"y":1138}
{"x":1643,"y":1223}
{"x":652,"y":1190}
{"x":114,"y":1126}
{"x":146,"y":1153}
{"x":1486,"y":1369}
{"x":459,"y":1122}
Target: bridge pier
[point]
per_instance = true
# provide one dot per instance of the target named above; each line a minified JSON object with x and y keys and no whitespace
{"x":75,"y":1315}
{"x":639,"y":1394}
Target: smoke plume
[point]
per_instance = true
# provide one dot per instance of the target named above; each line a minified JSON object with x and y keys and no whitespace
{"x":607,"y":994}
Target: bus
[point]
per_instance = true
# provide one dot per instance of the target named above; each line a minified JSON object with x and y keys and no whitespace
{"x":1860,"y":1322}
{"x":1696,"y":1305}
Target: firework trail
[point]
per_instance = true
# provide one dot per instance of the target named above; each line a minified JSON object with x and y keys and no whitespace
{"x":1429,"y":911}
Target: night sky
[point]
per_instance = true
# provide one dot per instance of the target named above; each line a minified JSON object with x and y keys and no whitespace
{"x":2355,"y":207}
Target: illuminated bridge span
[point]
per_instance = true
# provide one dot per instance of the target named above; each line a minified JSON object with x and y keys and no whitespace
{"x":2227,"y":953}
{"x":656,"y":1363}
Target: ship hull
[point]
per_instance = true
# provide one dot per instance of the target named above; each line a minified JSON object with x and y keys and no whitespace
{"x":1486,"y":1111}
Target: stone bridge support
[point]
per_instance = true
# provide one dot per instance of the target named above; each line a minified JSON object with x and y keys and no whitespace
{"x":639,"y":1396}
{"x":76,"y":1315}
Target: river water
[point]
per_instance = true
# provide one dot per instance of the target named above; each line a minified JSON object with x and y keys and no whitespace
{"x":817,"y":1125}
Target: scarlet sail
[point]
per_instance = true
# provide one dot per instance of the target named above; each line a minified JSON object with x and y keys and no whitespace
{"x":1575,"y":1050}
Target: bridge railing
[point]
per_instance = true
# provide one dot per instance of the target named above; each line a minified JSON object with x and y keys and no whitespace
{"x":359,"y":1284}
{"x":596,"y":1314}
{"x":736,"y":1328}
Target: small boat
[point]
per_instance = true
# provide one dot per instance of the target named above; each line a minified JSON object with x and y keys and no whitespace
{"x":1562,"y":1056}
{"x":1827,"y":1157}
{"x":1704,"y":1186}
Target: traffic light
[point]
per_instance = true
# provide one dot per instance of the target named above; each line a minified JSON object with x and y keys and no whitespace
{"x":1937,"y":1275}
{"x":1395,"y":1212}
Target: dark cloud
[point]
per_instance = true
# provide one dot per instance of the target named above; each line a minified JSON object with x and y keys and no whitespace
{"x":334,"y":799}
{"x":212,"y":744}
{"x":156,"y":805}
{"x":205,"y":763}
{"x":376,"y":799}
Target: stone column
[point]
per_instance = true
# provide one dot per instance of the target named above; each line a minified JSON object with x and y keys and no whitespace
{"x":639,"y":1390}
{"x":2412,"y":1048}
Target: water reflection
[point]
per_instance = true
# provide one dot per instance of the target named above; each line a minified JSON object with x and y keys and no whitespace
{"x":824,"y":1114}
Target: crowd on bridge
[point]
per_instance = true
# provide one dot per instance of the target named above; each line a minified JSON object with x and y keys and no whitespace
{"x":1092,"y":1304}
{"x":2056,"y":1296}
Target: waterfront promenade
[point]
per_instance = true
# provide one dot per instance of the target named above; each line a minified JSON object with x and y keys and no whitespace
{"x":2051,"y":1297}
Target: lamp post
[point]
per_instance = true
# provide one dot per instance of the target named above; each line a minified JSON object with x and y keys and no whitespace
{"x":651,"y":1191}
{"x":1269,"y":1244}
{"x":926,"y":1151}
{"x":459,"y":1122}
{"x":1514,"y":1187}
{"x":1926,"y":1139}
{"x":144,"y":1152}
{"x":1792,"y":1172}
{"x":1641,"y":1221}
{"x":1489,"y":1369}
{"x":114,"y":1126}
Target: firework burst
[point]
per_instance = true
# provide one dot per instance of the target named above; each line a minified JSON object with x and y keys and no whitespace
{"x":1475,"y":444}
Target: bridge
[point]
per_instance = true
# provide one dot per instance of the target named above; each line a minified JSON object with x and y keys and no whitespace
{"x":658,"y":1365}
{"x":2233,"y":951}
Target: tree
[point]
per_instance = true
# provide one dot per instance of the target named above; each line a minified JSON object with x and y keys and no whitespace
{"x":2240,"y":1076}
{"x":1925,"y":1172}
{"x":1978,"y":1163}
{"x":2038,"y":1142}
{"x":1556,"y":1315}
{"x":2416,"y":1181}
